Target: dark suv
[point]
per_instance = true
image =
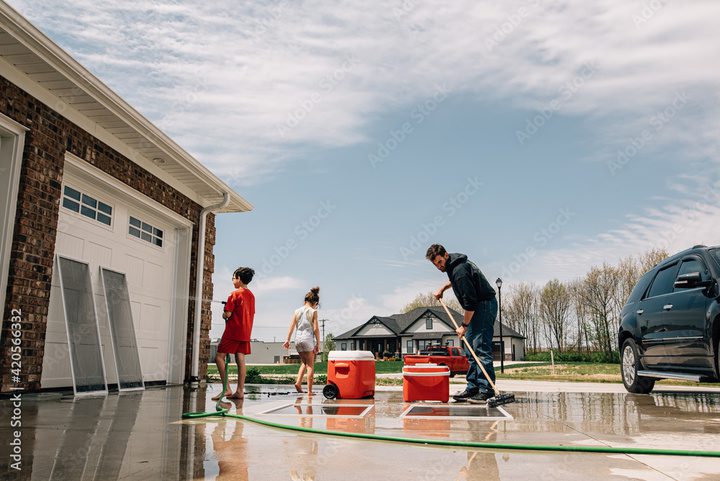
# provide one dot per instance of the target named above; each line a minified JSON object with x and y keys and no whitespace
{"x":670,"y":325}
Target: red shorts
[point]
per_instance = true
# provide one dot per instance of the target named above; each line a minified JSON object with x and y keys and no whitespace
{"x":232,"y":346}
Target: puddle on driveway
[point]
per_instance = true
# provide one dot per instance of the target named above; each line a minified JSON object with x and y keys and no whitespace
{"x":141,"y":436}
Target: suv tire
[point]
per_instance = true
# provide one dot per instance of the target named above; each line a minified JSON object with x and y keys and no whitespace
{"x":629,"y":366}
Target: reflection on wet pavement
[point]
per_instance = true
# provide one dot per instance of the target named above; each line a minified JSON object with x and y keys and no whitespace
{"x":141,"y":436}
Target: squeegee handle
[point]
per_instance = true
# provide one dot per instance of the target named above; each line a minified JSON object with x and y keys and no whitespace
{"x":472,"y":351}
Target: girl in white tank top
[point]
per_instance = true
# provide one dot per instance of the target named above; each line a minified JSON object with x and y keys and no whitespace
{"x":305,"y":332}
{"x":307,"y":337}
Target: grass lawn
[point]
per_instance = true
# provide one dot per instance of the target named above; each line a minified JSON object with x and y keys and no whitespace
{"x":320,"y":368}
{"x":570,"y":372}
{"x":578,"y":372}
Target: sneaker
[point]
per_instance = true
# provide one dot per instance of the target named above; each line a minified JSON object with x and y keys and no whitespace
{"x":465,"y":395}
{"x":480,"y":398}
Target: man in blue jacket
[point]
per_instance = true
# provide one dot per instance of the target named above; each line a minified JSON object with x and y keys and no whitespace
{"x":477,"y":298}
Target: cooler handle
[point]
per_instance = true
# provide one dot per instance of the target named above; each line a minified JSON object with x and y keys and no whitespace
{"x":342,"y":369}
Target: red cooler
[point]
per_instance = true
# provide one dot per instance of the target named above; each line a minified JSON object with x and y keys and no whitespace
{"x":426,"y":382}
{"x":350,"y":375}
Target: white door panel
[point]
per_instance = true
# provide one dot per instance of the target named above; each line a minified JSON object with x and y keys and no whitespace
{"x":150,"y":272}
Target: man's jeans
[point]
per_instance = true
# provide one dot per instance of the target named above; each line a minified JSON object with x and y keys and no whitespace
{"x":480,"y":334}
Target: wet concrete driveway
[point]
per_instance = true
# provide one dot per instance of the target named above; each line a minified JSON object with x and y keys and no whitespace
{"x":141,"y":436}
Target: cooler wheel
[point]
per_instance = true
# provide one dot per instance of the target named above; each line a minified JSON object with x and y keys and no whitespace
{"x":330,"y":391}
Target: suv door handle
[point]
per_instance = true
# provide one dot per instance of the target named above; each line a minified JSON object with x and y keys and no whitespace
{"x":668,"y":307}
{"x":640,"y":311}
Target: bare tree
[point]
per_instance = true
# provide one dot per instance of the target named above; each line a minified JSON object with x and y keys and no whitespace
{"x":520,"y":310}
{"x":628,"y":272}
{"x":554,"y":307}
{"x":584,"y":337}
{"x":650,"y":259}
{"x":599,"y":293}
{"x":588,"y":313}
{"x":428,"y":300}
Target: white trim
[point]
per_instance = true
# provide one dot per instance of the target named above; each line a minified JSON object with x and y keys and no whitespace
{"x":15,"y":132}
{"x":440,"y":326}
{"x":177,"y":344}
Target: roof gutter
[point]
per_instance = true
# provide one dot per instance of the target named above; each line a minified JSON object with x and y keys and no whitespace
{"x":199,"y":271}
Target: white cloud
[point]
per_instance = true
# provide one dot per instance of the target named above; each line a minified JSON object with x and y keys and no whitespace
{"x":246,"y":87}
{"x":269,"y":284}
{"x":676,"y":226}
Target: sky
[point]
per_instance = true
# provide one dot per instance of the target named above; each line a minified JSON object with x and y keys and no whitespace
{"x":539,"y":138}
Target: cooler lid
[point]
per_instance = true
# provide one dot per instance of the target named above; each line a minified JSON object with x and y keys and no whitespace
{"x":426,"y":370}
{"x":350,"y":356}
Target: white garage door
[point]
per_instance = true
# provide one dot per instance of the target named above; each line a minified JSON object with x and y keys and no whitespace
{"x":106,"y":229}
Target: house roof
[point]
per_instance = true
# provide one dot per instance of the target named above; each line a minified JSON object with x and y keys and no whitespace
{"x":29,"y":59}
{"x":399,"y":323}
{"x":507,"y":331}
{"x":429,"y":335}
{"x":347,"y":334}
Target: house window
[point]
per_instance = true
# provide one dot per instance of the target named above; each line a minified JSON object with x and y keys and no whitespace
{"x":450,"y":342}
{"x":409,"y":346}
{"x":343,"y":346}
{"x":352,"y":345}
{"x":86,"y":205}
{"x":428,"y":323}
{"x":425,"y":343}
{"x":143,"y":230}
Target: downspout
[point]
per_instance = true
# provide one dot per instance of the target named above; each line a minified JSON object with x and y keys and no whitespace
{"x":199,"y":271}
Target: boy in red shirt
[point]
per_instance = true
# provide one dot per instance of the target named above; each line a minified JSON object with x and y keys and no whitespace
{"x":239,"y":313}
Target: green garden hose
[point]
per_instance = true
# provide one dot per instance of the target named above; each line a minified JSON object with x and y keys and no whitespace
{"x":222,"y":412}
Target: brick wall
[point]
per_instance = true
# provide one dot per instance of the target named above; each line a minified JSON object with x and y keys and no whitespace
{"x":36,"y":220}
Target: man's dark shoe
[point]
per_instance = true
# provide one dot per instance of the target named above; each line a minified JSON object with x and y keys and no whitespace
{"x":480,"y":398}
{"x":465,"y":395}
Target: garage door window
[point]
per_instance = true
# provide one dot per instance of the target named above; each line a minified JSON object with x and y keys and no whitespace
{"x":86,"y":205}
{"x":147,"y":232}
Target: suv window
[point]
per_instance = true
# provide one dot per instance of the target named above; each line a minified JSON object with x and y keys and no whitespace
{"x":640,"y":287}
{"x":716,"y":255}
{"x":693,"y":265}
{"x":664,"y":280}
{"x":437,"y":351}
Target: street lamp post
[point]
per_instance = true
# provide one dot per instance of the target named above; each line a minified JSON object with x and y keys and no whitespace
{"x":498,"y":283}
{"x":323,"y":357}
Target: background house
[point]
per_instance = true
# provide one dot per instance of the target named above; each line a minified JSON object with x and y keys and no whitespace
{"x":409,"y":333}
{"x":262,"y":352}
{"x":87,"y":177}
